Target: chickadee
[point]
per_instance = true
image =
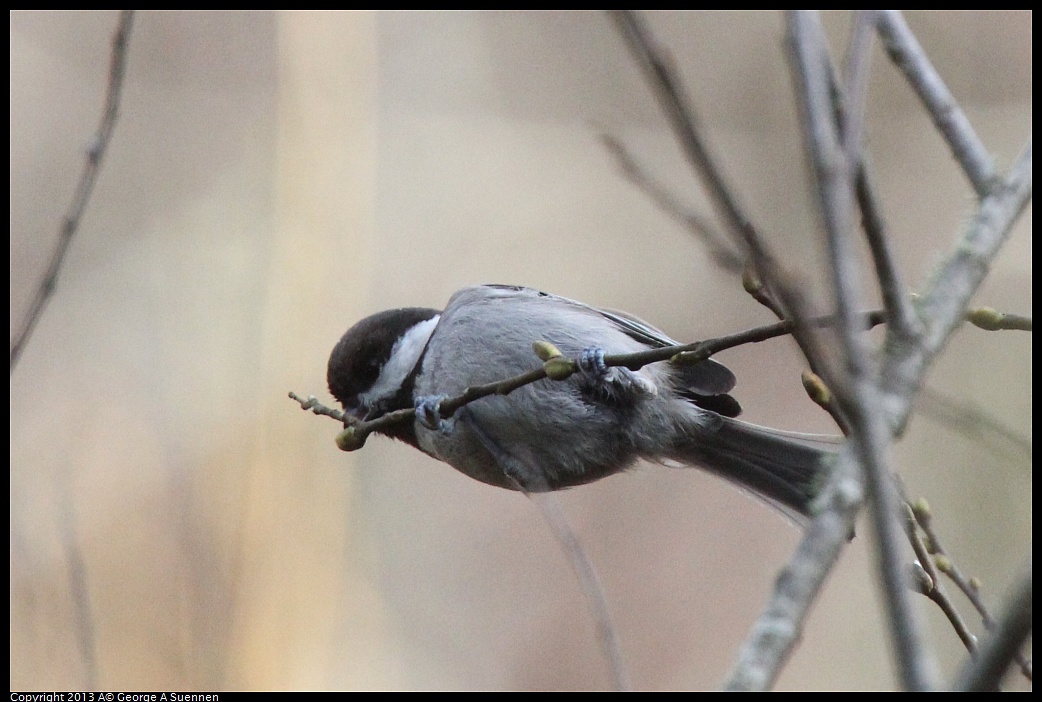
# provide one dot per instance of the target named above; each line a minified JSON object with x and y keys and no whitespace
{"x":550,"y":435}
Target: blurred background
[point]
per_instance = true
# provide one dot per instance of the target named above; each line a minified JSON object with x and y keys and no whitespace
{"x":178,"y":523}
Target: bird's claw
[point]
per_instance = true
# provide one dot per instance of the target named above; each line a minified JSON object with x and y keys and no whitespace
{"x":428,"y":411}
{"x":616,"y":380}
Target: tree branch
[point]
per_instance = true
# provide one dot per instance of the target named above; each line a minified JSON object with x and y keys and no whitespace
{"x":95,"y":154}
{"x":984,"y":672}
{"x":834,"y":158}
{"x":559,"y":368}
{"x":948,"y":117}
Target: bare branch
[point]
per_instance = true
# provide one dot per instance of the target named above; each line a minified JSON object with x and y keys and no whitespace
{"x":778,"y":627}
{"x":972,"y":422}
{"x":718,"y":247}
{"x":95,"y":154}
{"x":931,"y":585}
{"x":984,"y":671}
{"x":944,"y":563}
{"x":966,"y":146}
{"x":942,"y":307}
{"x":858,"y":63}
{"x":593,"y":590}
{"x":84,"y":618}
{"x":316,"y":407}
{"x":834,"y":169}
{"x":671,"y":95}
{"x":561,"y":368}
{"x":903,"y":324}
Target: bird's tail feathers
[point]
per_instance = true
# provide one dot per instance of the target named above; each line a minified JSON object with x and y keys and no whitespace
{"x":786,"y":469}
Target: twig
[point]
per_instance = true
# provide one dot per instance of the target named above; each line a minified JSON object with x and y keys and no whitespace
{"x":607,"y":632}
{"x":972,"y":422}
{"x":669,"y":90}
{"x":932,"y":585}
{"x":722,"y":253}
{"x":84,"y":619}
{"x":854,"y":95}
{"x":834,"y":158}
{"x":316,"y":407}
{"x":671,"y":95}
{"x":943,"y":305}
{"x":944,"y":563}
{"x":984,"y":671}
{"x":95,"y":154}
{"x":79,"y":588}
{"x":950,"y":120}
{"x":903,"y":325}
{"x":562,"y":368}
{"x":777,"y":630}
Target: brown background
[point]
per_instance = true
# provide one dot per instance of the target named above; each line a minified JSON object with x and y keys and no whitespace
{"x":274,"y":177}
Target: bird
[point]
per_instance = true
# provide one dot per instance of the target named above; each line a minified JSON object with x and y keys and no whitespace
{"x":555,"y":434}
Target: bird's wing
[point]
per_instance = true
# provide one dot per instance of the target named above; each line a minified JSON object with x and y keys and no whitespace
{"x":707,"y":378}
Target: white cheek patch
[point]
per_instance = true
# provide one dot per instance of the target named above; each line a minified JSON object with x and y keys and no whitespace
{"x":404,"y":355}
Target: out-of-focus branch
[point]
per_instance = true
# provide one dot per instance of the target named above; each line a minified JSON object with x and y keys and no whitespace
{"x":778,"y":627}
{"x":904,"y":365}
{"x":972,"y":422}
{"x":589,"y":582}
{"x":849,"y":104}
{"x":669,"y":91}
{"x":719,"y":248}
{"x":86,"y":634}
{"x":71,"y":221}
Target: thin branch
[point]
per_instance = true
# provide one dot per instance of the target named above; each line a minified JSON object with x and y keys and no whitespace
{"x":834,"y":165}
{"x":943,"y":305}
{"x":671,"y":95}
{"x":561,"y":368}
{"x":932,"y":585}
{"x":908,"y":55}
{"x":669,"y":90}
{"x":607,"y":632}
{"x":86,"y":635}
{"x":79,"y":586}
{"x":945,"y":563}
{"x":984,"y":671}
{"x":857,"y":65}
{"x":777,"y":629}
{"x":316,"y":407}
{"x":972,"y":422}
{"x":903,"y":325}
{"x":95,"y":154}
{"x":718,"y":247}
